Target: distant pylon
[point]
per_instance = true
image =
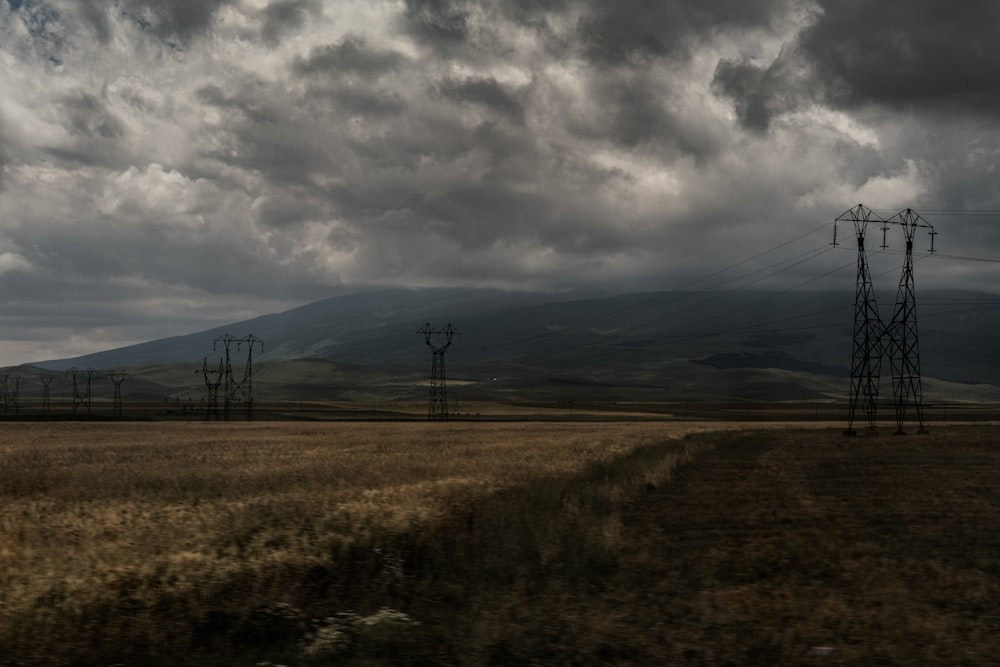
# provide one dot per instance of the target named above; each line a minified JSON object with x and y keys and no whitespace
{"x":228,"y":382}
{"x":4,"y":393}
{"x":438,"y":340}
{"x":866,"y":359}
{"x":211,"y":389}
{"x":46,"y":393}
{"x":117,"y":378}
{"x":230,"y":386}
{"x":903,"y":341}
{"x":247,"y":383}
{"x":81,"y":397}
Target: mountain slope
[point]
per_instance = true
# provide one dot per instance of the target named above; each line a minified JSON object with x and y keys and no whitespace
{"x":652,"y":344}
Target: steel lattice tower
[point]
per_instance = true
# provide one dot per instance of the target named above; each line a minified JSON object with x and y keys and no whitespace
{"x":904,"y":348}
{"x":46,"y":393}
{"x":866,"y":360}
{"x":231,"y":387}
{"x":247,"y":383}
{"x":4,"y":393}
{"x":81,"y":400}
{"x":437,"y":406}
{"x":117,"y":378}
{"x":211,"y":389}
{"x":228,"y":381}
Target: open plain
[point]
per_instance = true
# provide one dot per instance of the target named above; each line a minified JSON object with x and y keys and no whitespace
{"x":497,"y":543}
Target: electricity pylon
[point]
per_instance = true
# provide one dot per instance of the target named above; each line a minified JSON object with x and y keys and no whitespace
{"x":117,"y":378}
{"x":228,"y":382}
{"x":81,"y":398}
{"x":10,"y":396}
{"x":872,"y":338}
{"x":211,"y":389}
{"x":46,"y":394}
{"x":247,"y":383}
{"x":230,"y":386}
{"x":904,"y":348}
{"x":438,"y":340}
{"x":866,"y":359}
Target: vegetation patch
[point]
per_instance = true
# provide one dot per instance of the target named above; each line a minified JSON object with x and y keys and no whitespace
{"x":290,"y":544}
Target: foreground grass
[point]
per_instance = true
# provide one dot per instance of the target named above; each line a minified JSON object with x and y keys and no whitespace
{"x":496,"y":544}
{"x":133,"y":541}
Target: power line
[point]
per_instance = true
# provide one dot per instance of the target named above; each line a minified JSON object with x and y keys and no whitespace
{"x":438,"y":340}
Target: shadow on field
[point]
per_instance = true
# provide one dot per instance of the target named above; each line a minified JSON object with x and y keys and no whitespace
{"x":771,"y":547}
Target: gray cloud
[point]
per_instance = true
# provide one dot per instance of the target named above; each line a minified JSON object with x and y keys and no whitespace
{"x":352,"y":55}
{"x":486,"y":92}
{"x":761,"y":93}
{"x":285,"y":16}
{"x":553,"y":144}
{"x":438,"y":23}
{"x":631,"y":32}
{"x":90,"y":117}
{"x":907,"y":55}
{"x":173,"y":20}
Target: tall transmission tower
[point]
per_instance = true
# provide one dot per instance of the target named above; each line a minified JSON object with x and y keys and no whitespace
{"x":228,"y":382}
{"x":81,"y":389}
{"x":46,"y":393}
{"x":211,"y":388}
{"x":13,"y":396}
{"x":231,"y":388}
{"x":866,"y":359}
{"x":5,"y":395}
{"x":873,"y":339}
{"x":117,"y":378}
{"x":247,"y":383}
{"x":438,"y":340}
{"x":904,"y":348}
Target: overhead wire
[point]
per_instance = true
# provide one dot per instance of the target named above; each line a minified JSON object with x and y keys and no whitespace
{"x":678,"y":293}
{"x":707,"y":294}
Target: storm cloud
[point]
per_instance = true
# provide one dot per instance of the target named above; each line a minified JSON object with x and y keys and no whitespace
{"x":167,"y":166}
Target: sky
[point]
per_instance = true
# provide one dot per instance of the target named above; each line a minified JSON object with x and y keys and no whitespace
{"x":171,"y":165}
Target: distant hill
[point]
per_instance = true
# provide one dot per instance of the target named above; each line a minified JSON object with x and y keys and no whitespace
{"x":659,"y":345}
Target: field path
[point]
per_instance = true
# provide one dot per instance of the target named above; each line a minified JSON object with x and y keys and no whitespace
{"x":798,"y":547}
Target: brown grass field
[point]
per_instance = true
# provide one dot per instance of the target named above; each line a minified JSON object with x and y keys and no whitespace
{"x":497,"y":544}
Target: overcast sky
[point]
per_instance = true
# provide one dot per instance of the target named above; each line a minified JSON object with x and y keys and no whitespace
{"x":169,"y":165}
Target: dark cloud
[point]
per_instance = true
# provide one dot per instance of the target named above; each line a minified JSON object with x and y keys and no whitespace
{"x":631,"y":32}
{"x":45,"y":25}
{"x":245,"y":101}
{"x":89,"y":116}
{"x":366,"y":101}
{"x":293,"y":206}
{"x":440,"y":24}
{"x":907,"y":55}
{"x":95,"y":14}
{"x":486,"y":92}
{"x":178,"y":20}
{"x":760,"y":93}
{"x":353,"y":55}
{"x":293,"y":145}
{"x":283,"y":16}
{"x":637,"y":111}
{"x":5,"y":149}
{"x":919,"y":57}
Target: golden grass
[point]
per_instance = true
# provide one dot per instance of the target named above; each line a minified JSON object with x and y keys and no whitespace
{"x":145,"y":543}
{"x":89,"y":512}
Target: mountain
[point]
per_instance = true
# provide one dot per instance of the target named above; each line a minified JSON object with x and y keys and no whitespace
{"x":635,"y":346}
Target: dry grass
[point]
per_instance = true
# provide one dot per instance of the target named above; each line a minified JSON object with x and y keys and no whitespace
{"x":121,"y":520}
{"x":596,"y":543}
